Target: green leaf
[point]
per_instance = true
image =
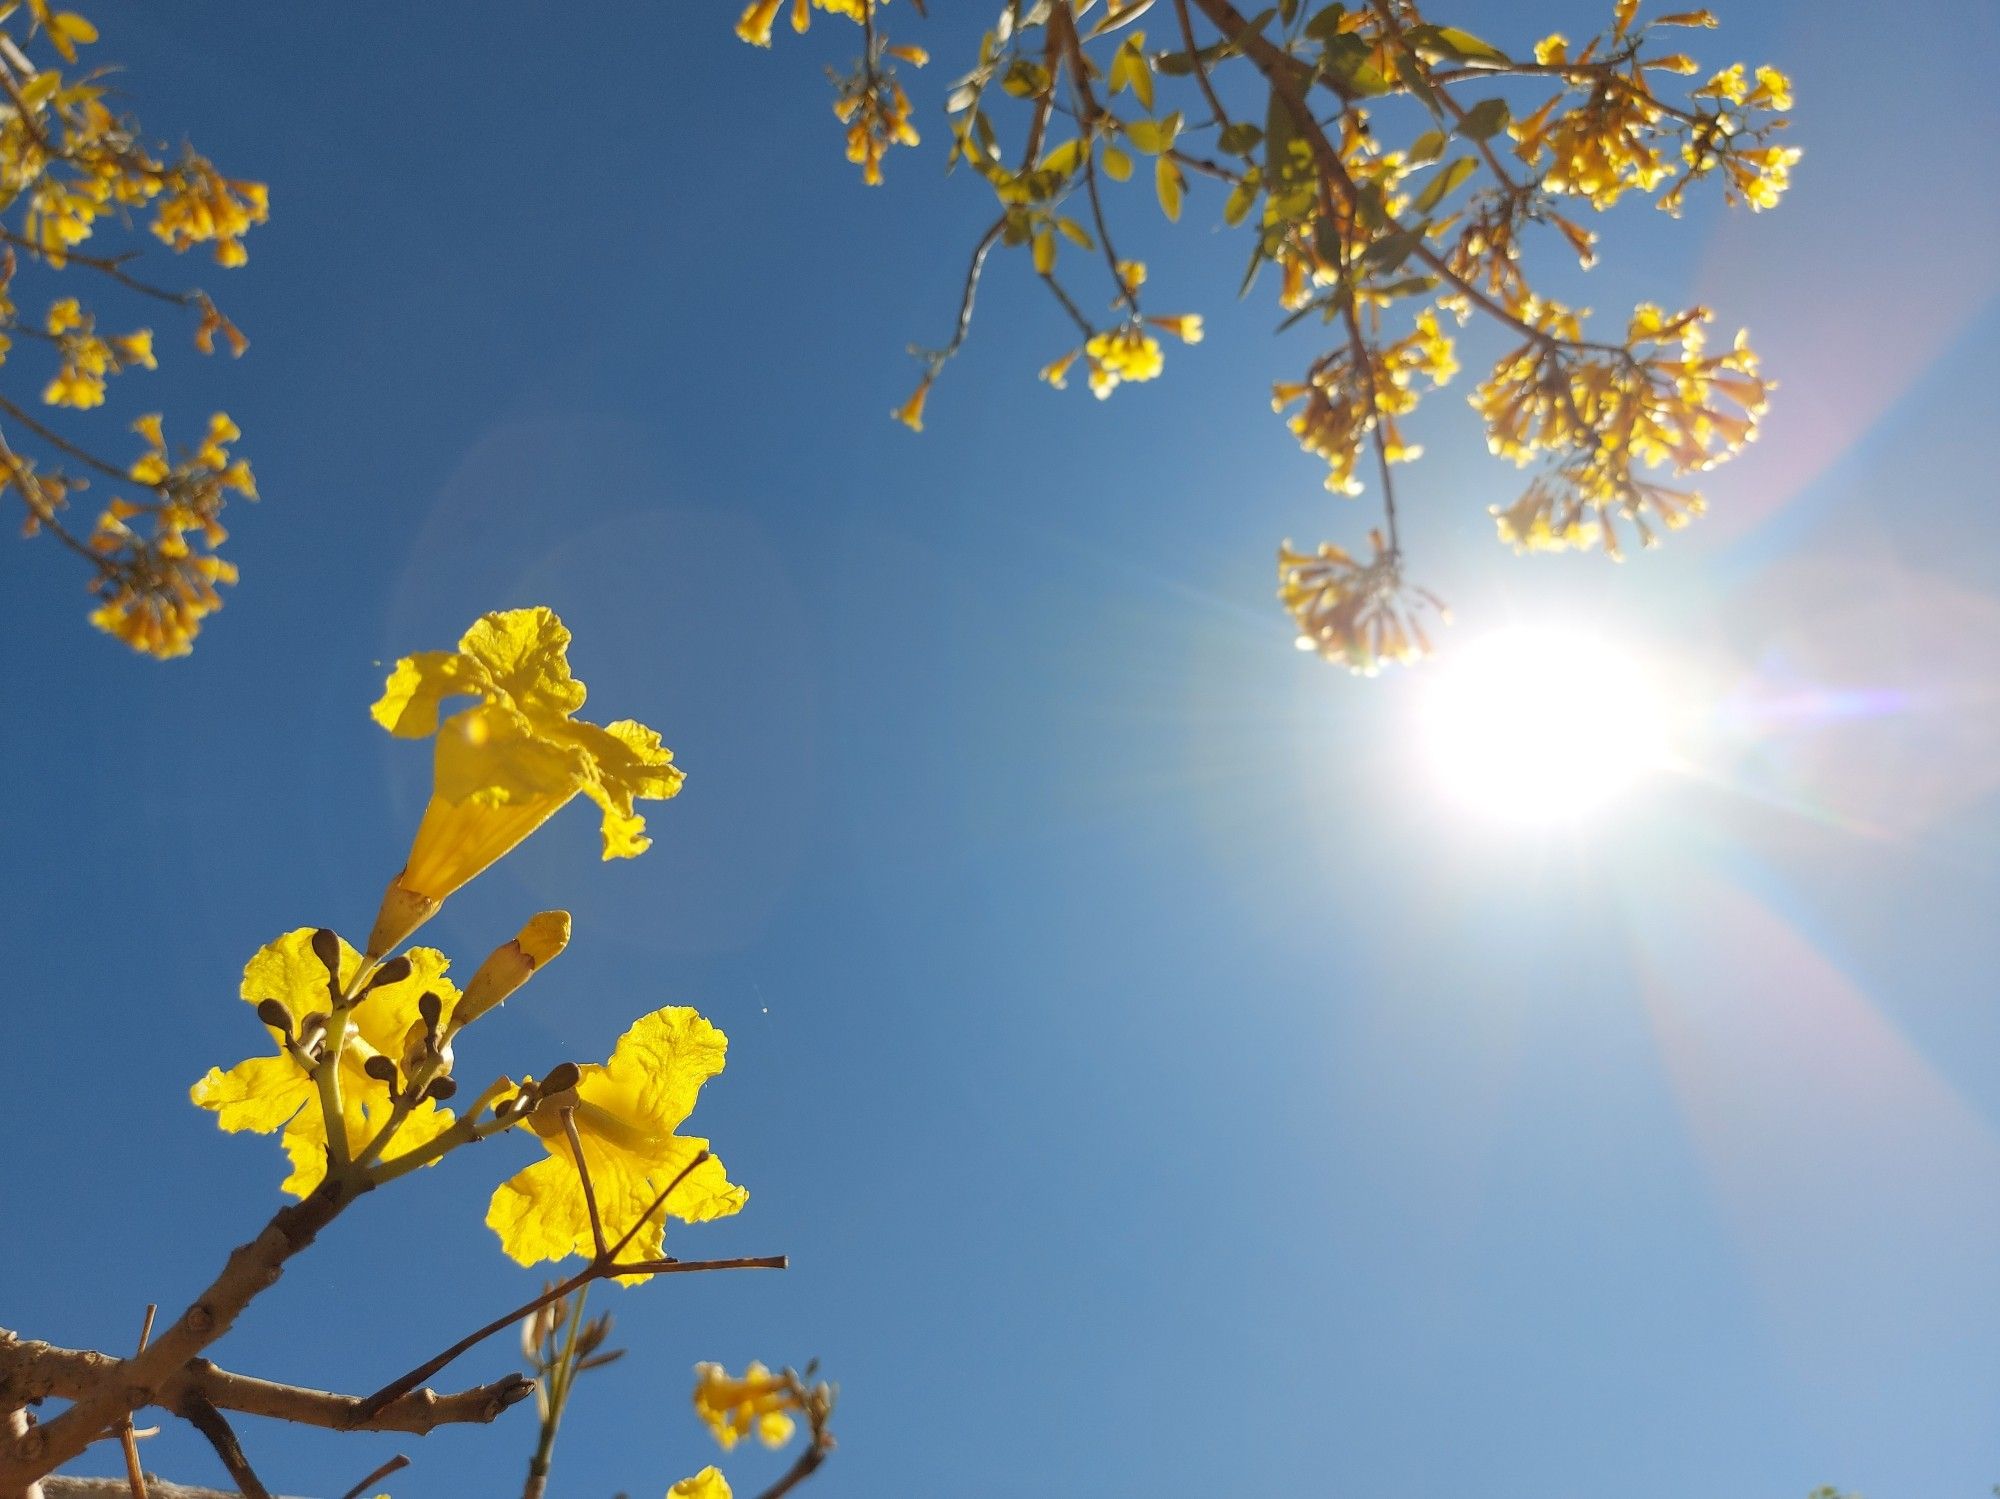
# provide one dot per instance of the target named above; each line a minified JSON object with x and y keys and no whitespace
{"x":1485,"y":119}
{"x":1025,"y":79}
{"x":1257,"y":259}
{"x":1075,"y":233}
{"x":1351,"y":62}
{"x":1325,"y":23}
{"x":1408,"y":286}
{"x":1045,"y":252}
{"x":1391,"y":250}
{"x":1427,"y":147}
{"x":1169,"y":183}
{"x":1154,"y":136}
{"x":1453,"y":45}
{"x":1442,"y":184}
{"x":1236,"y":207}
{"x":1117,"y":164}
{"x":1063,"y":160}
{"x":1240,"y":139}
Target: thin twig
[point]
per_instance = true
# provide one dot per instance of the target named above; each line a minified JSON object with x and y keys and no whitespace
{"x":395,"y":1464}
{"x":56,"y":440}
{"x":211,"y":1423}
{"x":128,"y":1439}
{"x":808,"y":1464}
{"x":601,"y":1267}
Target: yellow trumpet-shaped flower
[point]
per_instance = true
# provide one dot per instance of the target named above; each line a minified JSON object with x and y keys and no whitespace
{"x":707,"y":1484}
{"x":269,"y":1094}
{"x":625,"y":1113}
{"x":504,"y":765}
{"x":759,"y":1403}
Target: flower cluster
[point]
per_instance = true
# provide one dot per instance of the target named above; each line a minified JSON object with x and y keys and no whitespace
{"x":869,"y":101}
{"x":157,"y":586}
{"x":1359,"y":614}
{"x":70,"y":168}
{"x":364,"y":1044}
{"x":762,"y":1404}
{"x":1345,"y":399}
{"x":1376,"y":237}
{"x":1606,"y":414}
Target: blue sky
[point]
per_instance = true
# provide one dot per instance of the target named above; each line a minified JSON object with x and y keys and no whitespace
{"x":1160,"y":1087}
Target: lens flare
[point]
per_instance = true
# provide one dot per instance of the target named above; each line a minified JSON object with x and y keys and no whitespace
{"x":1534,"y":725}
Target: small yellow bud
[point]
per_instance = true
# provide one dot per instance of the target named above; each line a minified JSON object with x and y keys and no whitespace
{"x":512,"y":965}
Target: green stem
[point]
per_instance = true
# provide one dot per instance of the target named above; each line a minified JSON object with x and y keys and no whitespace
{"x":558,"y":1379}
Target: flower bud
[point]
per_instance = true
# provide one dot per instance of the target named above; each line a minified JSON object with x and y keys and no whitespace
{"x":511,"y":965}
{"x":403,"y":911}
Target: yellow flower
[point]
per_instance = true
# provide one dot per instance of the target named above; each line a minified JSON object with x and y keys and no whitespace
{"x":755,"y":25}
{"x":911,"y":412}
{"x":1130,"y":353}
{"x":272,"y":1093}
{"x":1186,"y":327}
{"x":735,"y":1408}
{"x":505,"y":765}
{"x":707,"y":1484}
{"x":625,"y":1113}
{"x":136,"y":348}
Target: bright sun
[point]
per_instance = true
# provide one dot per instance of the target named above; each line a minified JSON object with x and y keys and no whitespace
{"x":1538,"y":726}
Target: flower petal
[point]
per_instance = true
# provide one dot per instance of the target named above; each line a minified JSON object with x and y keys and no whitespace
{"x":525,"y":654}
{"x":408,"y":706}
{"x":661,"y":1062}
{"x":289,"y":971}
{"x":261,"y":1094}
{"x":707,"y":1484}
{"x":628,"y":761}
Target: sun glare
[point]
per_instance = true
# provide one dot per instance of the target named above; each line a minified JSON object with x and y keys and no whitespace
{"x":1542,"y":726}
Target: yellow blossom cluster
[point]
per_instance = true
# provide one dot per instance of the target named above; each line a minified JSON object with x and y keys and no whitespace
{"x":87,"y":359}
{"x":757,"y":1403}
{"x":1609,"y":412}
{"x":1345,"y":399}
{"x":1357,"y":613}
{"x":870,"y":101}
{"x":1128,"y":352}
{"x":70,"y":167}
{"x":1378,"y":220}
{"x":158,"y":585}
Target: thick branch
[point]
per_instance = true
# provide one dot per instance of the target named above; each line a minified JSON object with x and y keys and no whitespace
{"x":251,"y":1269}
{"x":32,"y":1371}
{"x":117,"y":1488}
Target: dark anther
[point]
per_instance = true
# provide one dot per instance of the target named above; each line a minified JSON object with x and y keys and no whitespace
{"x":381,"y":1069}
{"x":276,"y":1016}
{"x":392,"y":972}
{"x":432,"y":1009}
{"x":441,"y":1089}
{"x":326,"y":947}
{"x":562,"y":1077}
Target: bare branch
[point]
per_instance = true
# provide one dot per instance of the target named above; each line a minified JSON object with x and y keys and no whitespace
{"x":33,"y":1371}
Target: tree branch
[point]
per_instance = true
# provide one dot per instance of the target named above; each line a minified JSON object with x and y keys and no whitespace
{"x":115,"y":1488}
{"x":210,"y":1422}
{"x":33,"y":1371}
